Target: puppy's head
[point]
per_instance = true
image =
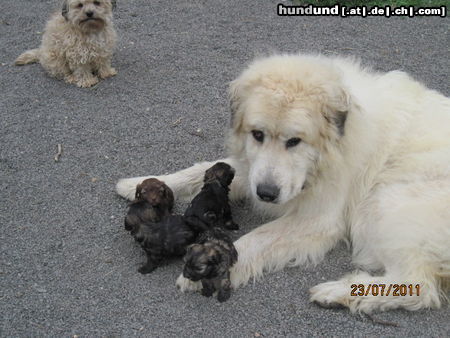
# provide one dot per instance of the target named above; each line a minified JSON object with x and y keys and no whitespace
{"x":88,"y":15}
{"x":221,"y":172}
{"x":156,"y":193}
{"x":202,"y":261}
{"x":289,"y":116}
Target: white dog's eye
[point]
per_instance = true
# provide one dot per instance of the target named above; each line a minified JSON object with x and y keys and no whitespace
{"x":258,"y":135}
{"x":292,"y":142}
{"x":80,"y":6}
{"x":97,"y":3}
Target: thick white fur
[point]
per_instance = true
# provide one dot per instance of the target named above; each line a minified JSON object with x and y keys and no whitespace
{"x":384,"y":183}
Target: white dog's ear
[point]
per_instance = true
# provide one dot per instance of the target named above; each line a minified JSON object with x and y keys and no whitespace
{"x":339,"y":108}
{"x":235,"y":139}
{"x":235,"y":104}
{"x":339,"y":118}
{"x":65,"y":9}
{"x":113,"y":4}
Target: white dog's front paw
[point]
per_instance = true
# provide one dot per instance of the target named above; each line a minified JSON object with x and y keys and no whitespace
{"x":186,"y":285}
{"x":250,"y":264}
{"x":330,"y":294}
{"x":240,"y":275}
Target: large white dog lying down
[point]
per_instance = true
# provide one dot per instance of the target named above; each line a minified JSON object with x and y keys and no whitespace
{"x":337,"y":151}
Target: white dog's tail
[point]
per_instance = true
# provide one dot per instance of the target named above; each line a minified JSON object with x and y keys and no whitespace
{"x":30,"y":56}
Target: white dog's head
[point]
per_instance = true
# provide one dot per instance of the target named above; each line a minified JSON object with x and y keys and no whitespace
{"x":288,"y":113}
{"x":88,"y":15}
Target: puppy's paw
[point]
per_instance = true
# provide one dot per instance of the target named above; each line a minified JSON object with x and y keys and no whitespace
{"x":106,"y":72}
{"x":207,"y":292}
{"x":330,"y":294}
{"x":250,"y":262}
{"x":146,"y":269}
{"x":223,"y":295}
{"x":186,"y":285}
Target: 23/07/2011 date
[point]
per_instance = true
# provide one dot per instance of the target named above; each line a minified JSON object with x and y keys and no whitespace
{"x":395,"y":290}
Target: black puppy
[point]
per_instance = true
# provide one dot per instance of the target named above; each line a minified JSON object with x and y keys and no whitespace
{"x":211,"y":207}
{"x":167,"y":238}
{"x":210,"y":260}
{"x":153,"y":200}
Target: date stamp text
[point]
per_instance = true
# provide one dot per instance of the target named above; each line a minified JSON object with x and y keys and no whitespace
{"x":396,"y":290}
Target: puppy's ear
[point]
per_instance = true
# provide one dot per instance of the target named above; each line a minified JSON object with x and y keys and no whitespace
{"x":210,"y":174}
{"x":229,"y":177}
{"x":113,"y":4}
{"x":188,"y":252}
{"x":138,"y":194}
{"x":169,"y":198}
{"x":233,"y":255}
{"x":65,"y":9}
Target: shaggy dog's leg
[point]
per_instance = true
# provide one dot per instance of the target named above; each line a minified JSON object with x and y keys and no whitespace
{"x":82,"y":76}
{"x":105,"y":70}
{"x":270,"y":247}
{"x":186,"y":183}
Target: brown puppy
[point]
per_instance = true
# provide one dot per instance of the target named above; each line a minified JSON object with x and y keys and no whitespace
{"x":153,"y":201}
{"x":159,"y":233}
{"x":78,"y":43}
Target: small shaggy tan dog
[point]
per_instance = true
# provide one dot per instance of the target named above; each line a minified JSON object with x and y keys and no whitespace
{"x":78,"y":43}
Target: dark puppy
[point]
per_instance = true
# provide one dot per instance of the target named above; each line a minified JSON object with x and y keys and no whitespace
{"x":211,"y":207}
{"x":167,"y":238}
{"x":159,"y":233}
{"x":210,"y":260}
{"x":153,"y":200}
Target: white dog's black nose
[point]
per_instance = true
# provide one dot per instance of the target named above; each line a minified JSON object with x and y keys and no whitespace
{"x":267,"y":192}
{"x":89,"y":14}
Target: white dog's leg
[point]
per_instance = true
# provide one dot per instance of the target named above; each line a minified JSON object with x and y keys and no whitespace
{"x":411,"y":242}
{"x":285,"y":241}
{"x":186,"y":183}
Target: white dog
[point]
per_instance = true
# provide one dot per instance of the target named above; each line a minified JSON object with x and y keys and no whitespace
{"x":336,"y":152}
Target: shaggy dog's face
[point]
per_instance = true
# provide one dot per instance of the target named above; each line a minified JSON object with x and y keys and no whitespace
{"x":88,"y":15}
{"x":287,"y":116}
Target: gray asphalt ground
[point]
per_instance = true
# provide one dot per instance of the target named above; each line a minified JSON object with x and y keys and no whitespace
{"x":67,"y":265}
